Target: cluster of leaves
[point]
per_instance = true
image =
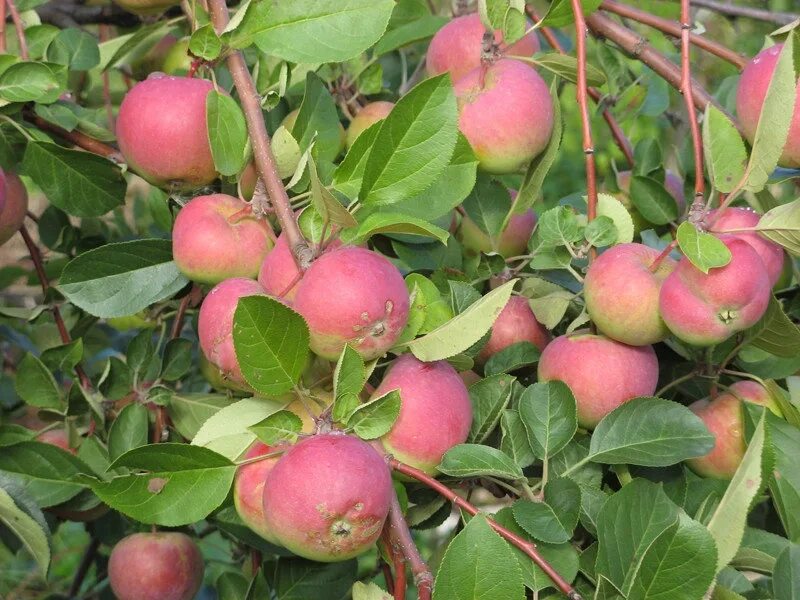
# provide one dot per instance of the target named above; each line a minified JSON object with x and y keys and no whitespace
{"x":614,"y":511}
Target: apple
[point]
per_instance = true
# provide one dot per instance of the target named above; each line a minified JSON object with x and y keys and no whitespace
{"x":14,"y":205}
{"x":366,"y":117}
{"x":515,"y":323}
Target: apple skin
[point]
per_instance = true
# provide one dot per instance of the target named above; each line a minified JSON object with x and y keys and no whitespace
{"x":513,"y":240}
{"x":156,"y":566}
{"x":146,"y":7}
{"x":515,"y":323}
{"x":366,"y":117}
{"x":602,"y":373}
{"x":216,"y":237}
{"x":456,"y":47}
{"x":435,"y":411}
{"x":705,"y":309}
{"x":351,"y":295}
{"x":248,"y":490}
{"x":162,"y":132}
{"x":215,"y":325}
{"x":621,"y":294}
{"x":750,"y":96}
{"x":327,"y":497}
{"x":14,"y":205}
{"x":740,"y":218}
{"x":56,"y":437}
{"x":506,"y":114}
{"x":724,"y":419}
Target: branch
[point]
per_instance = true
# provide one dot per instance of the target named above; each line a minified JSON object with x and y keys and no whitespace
{"x":616,"y":131}
{"x":262,"y":150}
{"x":527,"y":547}
{"x":770,"y":16}
{"x":66,"y":13}
{"x":401,"y":545}
{"x":686,"y":90}
{"x":79,"y":139}
{"x":2,"y":27}
{"x":88,"y":558}
{"x":20,"y":28}
{"x":674,"y":29}
{"x":192,"y":298}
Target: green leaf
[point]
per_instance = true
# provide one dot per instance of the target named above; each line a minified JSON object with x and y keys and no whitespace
{"x":408,"y":33}
{"x":318,"y":120}
{"x":725,"y":153}
{"x":775,"y":332}
{"x":490,"y":397}
{"x":463,"y":330}
{"x":652,"y":200}
{"x":474,"y":460}
{"x":553,"y":520}
{"x":188,"y":411}
{"x":560,"y":12}
{"x":45,"y":471}
{"x":362,"y":591}
{"x":650,"y":432}
{"x":79,"y":183}
{"x":33,"y":534}
{"x":786,"y":577}
{"x":298,"y":579}
{"x":287,"y":152}
{"x":512,"y":358}
{"x":774,"y":122}
{"x":166,"y":495}
{"x":271,"y":342}
{"x":566,"y":66}
{"x":514,"y":441}
{"x":704,"y":250}
{"x":35,"y":384}
{"x":205,"y":43}
{"x":177,"y":359}
{"x":281,"y":425}
{"x":609,"y":206}
{"x":559,"y":226}
{"x":550,"y":415}
{"x":478,"y":563}
{"x":348,"y":176}
{"x":414,"y":144}
{"x":331,"y":210}
{"x":128,"y":431}
{"x":782,"y":226}
{"x":117,"y":280}
{"x":384,"y":222}
{"x":330,"y":32}
{"x":227,"y":133}
{"x":548,"y":301}
{"x":600,"y":232}
{"x":487,"y":205}
{"x":62,"y":358}
{"x":349,"y":377}
{"x":376,"y":417}
{"x":729,"y":520}
{"x":784,"y":484}
{"x":74,"y":48}
{"x":29,"y":82}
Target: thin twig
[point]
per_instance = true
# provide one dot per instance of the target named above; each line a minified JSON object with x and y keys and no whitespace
{"x":104,"y":36}
{"x":674,"y":29}
{"x":403,"y":546}
{"x":770,"y":16}
{"x":262,"y":150}
{"x":79,"y":139}
{"x":192,"y":298}
{"x":525,"y":546}
{"x":19,"y":26}
{"x":686,"y":90}
{"x":2,"y":27}
{"x":88,"y":558}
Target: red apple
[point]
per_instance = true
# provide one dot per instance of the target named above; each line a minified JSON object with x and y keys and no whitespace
{"x":13,"y":205}
{"x":515,"y":323}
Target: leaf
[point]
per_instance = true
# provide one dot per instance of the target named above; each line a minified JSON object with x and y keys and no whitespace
{"x":382,"y":223}
{"x":298,"y":579}
{"x":174,"y":501}
{"x":205,"y":43}
{"x":478,"y":563}
{"x":414,"y":144}
{"x":784,"y":484}
{"x":553,"y":520}
{"x":489,"y":396}
{"x":650,"y":432}
{"x":317,"y":121}
{"x":559,"y":226}
{"x":62,"y":358}
{"x":349,"y":377}
{"x":227,"y":133}
{"x":79,"y":183}
{"x":474,"y":460}
{"x":281,"y":425}
{"x":514,"y":441}
{"x":287,"y":152}
{"x":188,"y":411}
{"x":325,"y":202}
{"x":566,"y":66}
{"x":775,"y":332}
{"x":550,"y":415}
{"x":463,"y":330}
{"x":775,"y":120}
{"x":725,"y":153}
{"x":34,"y":535}
{"x":786,"y":577}
{"x":376,"y":417}
{"x":35,"y":384}
{"x":600,"y":232}
{"x":177,"y":359}
{"x":560,"y":12}
{"x":271,"y":342}
{"x":330,"y":32}
{"x":363,"y":591}
{"x":29,"y":82}
{"x":409,"y":33}
{"x":117,"y":280}
{"x":704,"y":250}
{"x":487,"y":205}
{"x":128,"y":431}
{"x":652,"y":200}
{"x":782,"y":226}
{"x":609,"y":206}
{"x":729,"y":520}
{"x":74,"y":48}
{"x":348,"y":176}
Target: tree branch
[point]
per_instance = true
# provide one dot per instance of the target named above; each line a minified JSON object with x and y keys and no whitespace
{"x":83,"y":568}
{"x":686,"y":90}
{"x":402,"y":546}
{"x":2,"y":27}
{"x":20,"y":28}
{"x":770,"y":16}
{"x":66,"y":13}
{"x":674,"y":29}
{"x":79,"y":139}
{"x":262,"y":149}
{"x":527,"y":547}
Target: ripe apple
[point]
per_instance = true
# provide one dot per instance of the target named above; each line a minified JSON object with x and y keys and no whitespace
{"x":327,"y":498}
{"x":366,"y":117}
{"x":217,"y":237}
{"x":621,"y":294}
{"x":248,"y":490}
{"x":156,"y":566}
{"x":13,"y":206}
{"x":506,"y":114}
{"x":602,"y":373}
{"x":515,"y":323}
{"x":707,"y":308}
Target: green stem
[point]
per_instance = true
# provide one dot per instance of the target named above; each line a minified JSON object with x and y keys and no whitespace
{"x":675,"y":382}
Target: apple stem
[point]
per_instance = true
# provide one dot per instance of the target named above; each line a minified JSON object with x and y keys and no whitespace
{"x":19,"y":27}
{"x":525,"y":546}
{"x":401,"y":544}
{"x":262,"y":149}
{"x":664,"y":254}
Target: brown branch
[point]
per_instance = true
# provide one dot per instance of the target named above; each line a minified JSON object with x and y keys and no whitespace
{"x":2,"y":27}
{"x":192,"y":298}
{"x":637,"y":46}
{"x":262,"y":150}
{"x":402,"y":546}
{"x":770,"y":16}
{"x":525,"y":546}
{"x":83,"y":568}
{"x":674,"y":29}
{"x":79,"y":139}
{"x":619,"y":136}
{"x":686,"y":90}
{"x":20,"y":28}
{"x":38,"y":265}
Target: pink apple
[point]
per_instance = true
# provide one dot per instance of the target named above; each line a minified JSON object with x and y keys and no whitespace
{"x":515,"y":323}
